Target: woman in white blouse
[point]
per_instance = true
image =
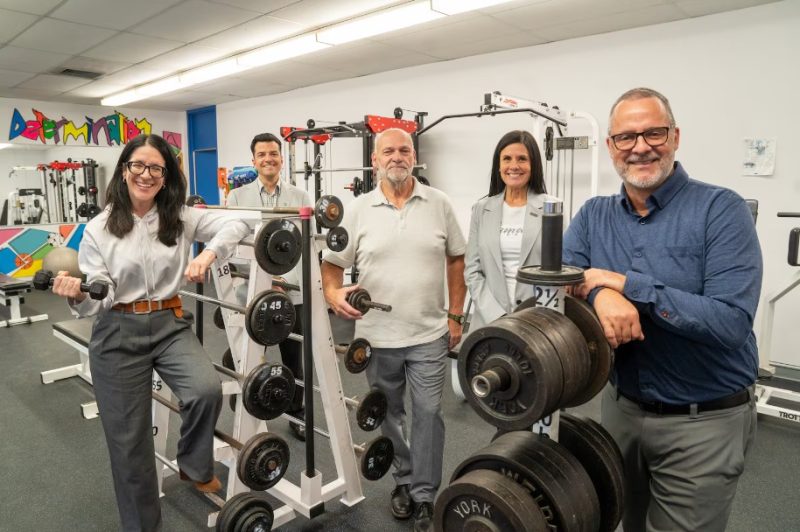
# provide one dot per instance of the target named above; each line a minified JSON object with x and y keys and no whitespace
{"x":140,"y":245}
{"x":505,"y":228}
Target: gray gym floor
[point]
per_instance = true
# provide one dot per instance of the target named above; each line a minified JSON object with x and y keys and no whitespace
{"x":55,"y":471}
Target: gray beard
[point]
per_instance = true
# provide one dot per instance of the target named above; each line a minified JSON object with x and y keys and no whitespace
{"x":394,"y":179}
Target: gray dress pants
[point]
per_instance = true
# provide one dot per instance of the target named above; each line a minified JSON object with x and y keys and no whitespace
{"x":423,"y":367}
{"x":680,"y":471}
{"x":124,"y":351}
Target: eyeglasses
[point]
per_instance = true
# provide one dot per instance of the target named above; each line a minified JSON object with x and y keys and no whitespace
{"x":655,"y":136}
{"x":137,"y":168}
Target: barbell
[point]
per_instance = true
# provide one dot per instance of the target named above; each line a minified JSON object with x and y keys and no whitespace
{"x":262,"y":461}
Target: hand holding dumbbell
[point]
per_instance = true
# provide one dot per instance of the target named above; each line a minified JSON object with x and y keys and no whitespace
{"x":43,"y":279}
{"x":359,"y":299}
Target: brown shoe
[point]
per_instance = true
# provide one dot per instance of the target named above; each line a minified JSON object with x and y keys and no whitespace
{"x":211,"y":486}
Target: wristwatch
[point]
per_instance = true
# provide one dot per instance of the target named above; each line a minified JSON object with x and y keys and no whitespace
{"x":458,"y":318}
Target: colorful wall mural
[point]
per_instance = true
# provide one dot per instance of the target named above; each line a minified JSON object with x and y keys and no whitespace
{"x":176,"y":143}
{"x":23,"y":248}
{"x":113,"y":129}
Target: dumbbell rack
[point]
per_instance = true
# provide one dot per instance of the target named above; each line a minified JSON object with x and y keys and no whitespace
{"x":309,"y":496}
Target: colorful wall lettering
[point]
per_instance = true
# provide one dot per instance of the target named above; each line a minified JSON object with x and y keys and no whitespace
{"x":176,"y":143}
{"x":112,"y":129}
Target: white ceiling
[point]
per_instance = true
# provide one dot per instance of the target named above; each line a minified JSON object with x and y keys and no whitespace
{"x":134,"y":41}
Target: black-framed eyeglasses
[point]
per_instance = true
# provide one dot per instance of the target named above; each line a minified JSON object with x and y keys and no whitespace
{"x":137,"y":168}
{"x":655,"y":136}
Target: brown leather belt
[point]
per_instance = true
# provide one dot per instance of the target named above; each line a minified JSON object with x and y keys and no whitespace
{"x":146,"y":306}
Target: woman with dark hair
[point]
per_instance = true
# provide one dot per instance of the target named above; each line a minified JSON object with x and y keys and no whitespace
{"x":140,"y":245}
{"x":505,"y":228}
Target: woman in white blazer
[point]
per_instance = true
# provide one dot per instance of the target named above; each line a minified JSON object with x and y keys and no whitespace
{"x":505,"y":228}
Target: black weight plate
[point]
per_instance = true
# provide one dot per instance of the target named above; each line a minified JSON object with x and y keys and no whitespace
{"x":569,"y":344}
{"x":554,"y":478}
{"x":377,"y":458}
{"x":337,"y":238}
{"x":263,"y":461}
{"x":230,"y":510}
{"x":528,"y":357}
{"x":219,"y":322}
{"x":584,"y":317}
{"x":372,"y":410}
{"x":596,"y":450}
{"x":328,"y":211}
{"x":358,"y":355}
{"x":283,"y":248}
{"x":194,"y":199}
{"x":268,"y":391}
{"x":227,"y":362}
{"x":266,"y":248}
{"x":358,"y":298}
{"x":269,"y":318}
{"x":535,"y":275}
{"x":245,"y":512}
{"x":486,"y":501}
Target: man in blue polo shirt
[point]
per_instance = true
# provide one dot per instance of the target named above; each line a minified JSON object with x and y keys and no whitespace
{"x":674,"y":272}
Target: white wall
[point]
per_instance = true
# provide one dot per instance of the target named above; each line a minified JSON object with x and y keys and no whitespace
{"x":728,"y":76}
{"x":26,"y":152}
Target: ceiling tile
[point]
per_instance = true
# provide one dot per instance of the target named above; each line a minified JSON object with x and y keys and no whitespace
{"x":13,"y":23}
{"x":94,"y":65}
{"x":9,"y":78}
{"x":364,"y":57}
{"x":312,"y":13}
{"x":114,"y":14}
{"x":83,"y":100}
{"x":27,"y":60}
{"x":97,"y":89}
{"x":697,"y":8}
{"x":193,"y":20}
{"x":615,"y":22}
{"x":259,"y":6}
{"x":53,"y":35}
{"x":53,"y":82}
{"x":477,"y":28}
{"x":30,"y":94}
{"x":508,"y":41}
{"x":131,"y":48}
{"x":239,"y":87}
{"x":37,"y":7}
{"x":546,"y":14}
{"x":134,"y":75}
{"x":184,"y":57}
{"x":294,"y":74}
{"x":253,"y":33}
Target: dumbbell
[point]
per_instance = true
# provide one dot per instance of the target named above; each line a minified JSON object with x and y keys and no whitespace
{"x":262,"y":461}
{"x":359,"y":299}
{"x":43,"y":279}
{"x":376,"y":456}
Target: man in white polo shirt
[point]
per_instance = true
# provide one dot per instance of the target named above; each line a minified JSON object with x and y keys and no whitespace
{"x":269,"y":191}
{"x":406,"y":241}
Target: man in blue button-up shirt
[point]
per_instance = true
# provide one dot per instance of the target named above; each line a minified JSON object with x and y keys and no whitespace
{"x":674,"y":273}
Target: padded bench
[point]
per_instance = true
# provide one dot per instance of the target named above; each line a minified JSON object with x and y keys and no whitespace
{"x":11,"y":292}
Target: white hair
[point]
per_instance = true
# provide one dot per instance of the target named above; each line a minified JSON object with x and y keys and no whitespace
{"x":380,"y":135}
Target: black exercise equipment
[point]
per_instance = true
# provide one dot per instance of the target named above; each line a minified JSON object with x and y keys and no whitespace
{"x":43,"y":279}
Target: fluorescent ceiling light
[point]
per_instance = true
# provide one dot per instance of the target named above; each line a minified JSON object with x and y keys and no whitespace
{"x":220,"y":69}
{"x":121,"y":98}
{"x":161,"y":86}
{"x":453,"y":7}
{"x":377,"y":23}
{"x":4,"y":145}
{"x":287,"y":49}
